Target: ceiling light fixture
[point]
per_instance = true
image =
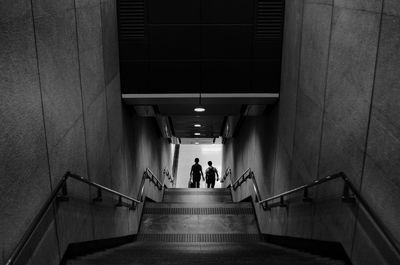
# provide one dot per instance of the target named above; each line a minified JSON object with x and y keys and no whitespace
{"x":196,"y":143}
{"x":199,"y":107}
{"x":197,"y":134}
{"x":197,"y":125}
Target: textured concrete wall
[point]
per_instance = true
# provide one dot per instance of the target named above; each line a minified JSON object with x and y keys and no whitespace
{"x":338,"y":111}
{"x":253,"y":147}
{"x":61,"y":111}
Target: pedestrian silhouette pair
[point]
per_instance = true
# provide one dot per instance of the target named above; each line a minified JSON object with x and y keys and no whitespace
{"x":196,"y":174}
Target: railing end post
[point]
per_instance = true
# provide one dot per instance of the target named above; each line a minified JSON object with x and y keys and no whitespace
{"x":346,"y":197}
{"x":133,"y":206}
{"x":64,"y":193}
{"x":265,"y":206}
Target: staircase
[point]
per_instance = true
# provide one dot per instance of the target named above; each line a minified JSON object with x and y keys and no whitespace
{"x":200,"y":226}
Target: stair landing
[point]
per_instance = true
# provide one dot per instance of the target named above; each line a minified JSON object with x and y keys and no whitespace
{"x":139,"y":253}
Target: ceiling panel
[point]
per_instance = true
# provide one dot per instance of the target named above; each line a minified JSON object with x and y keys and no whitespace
{"x":228,"y":11}
{"x":213,"y":47}
{"x":174,"y":42}
{"x":133,"y":76}
{"x":200,"y":141}
{"x":211,"y":109}
{"x":173,"y":77}
{"x":265,"y":73}
{"x":174,"y":11}
{"x":184,"y":126}
{"x":236,"y":77}
{"x":227,"y":41}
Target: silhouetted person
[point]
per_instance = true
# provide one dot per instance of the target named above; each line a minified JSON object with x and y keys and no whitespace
{"x":196,"y":172}
{"x":210,"y":175}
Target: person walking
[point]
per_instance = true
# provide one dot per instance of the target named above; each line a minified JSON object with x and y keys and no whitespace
{"x":210,"y":175}
{"x":196,"y":172}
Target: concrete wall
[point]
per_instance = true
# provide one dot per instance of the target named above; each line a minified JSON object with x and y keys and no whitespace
{"x":338,"y":111}
{"x":61,"y":111}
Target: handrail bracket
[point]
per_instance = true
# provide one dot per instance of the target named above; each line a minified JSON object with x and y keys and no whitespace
{"x":306,"y":198}
{"x":119,"y":203}
{"x":99,"y":197}
{"x":282,"y":203}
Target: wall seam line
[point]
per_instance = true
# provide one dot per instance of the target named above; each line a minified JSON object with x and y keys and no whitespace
{"x":105,"y":94}
{"x":277,"y":114}
{"x":83,"y":111}
{"x":323,"y":110}
{"x":368,"y":124}
{"x":45,"y":128}
{"x":297,"y":94}
{"x":110,"y":159}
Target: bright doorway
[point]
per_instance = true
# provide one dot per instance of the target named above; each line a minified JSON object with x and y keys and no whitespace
{"x":205,"y":153}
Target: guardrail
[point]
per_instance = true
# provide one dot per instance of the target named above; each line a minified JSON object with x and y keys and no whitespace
{"x":60,"y":193}
{"x":350,"y":195}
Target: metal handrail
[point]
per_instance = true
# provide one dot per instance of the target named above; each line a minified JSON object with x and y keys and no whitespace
{"x":62,"y":187}
{"x":168,"y":175}
{"x":248,"y":174}
{"x":228,"y":172}
{"x":350,"y":195}
{"x":305,"y":189}
{"x":148,"y":174}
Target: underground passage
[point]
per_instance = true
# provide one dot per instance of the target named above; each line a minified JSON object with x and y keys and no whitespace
{"x":200,"y":132}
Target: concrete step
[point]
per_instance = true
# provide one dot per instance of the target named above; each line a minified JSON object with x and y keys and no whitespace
{"x":202,"y":253}
{"x":198,"y":219}
{"x":200,"y":238}
{"x":168,"y":208}
{"x":197,"y":195}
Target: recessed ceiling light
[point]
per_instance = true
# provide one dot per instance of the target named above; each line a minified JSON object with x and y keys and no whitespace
{"x":197,"y":125}
{"x":199,"y":109}
{"x":196,"y":133}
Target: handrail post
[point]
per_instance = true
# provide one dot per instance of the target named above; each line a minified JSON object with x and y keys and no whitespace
{"x":119,"y":204}
{"x":306,"y":198}
{"x":99,"y":197}
{"x":133,"y":206}
{"x":282,"y":202}
{"x":265,"y":206}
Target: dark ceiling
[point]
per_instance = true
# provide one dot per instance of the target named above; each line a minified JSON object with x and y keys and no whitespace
{"x":200,"y":46}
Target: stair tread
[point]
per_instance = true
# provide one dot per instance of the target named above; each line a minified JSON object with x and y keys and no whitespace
{"x":199,"y":211}
{"x":198,"y":205}
{"x":199,"y":190}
